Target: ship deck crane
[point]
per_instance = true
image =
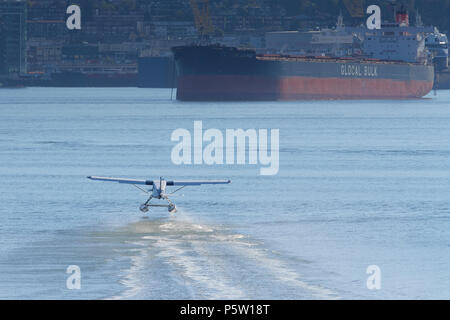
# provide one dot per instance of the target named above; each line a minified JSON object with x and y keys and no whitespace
{"x":355,"y":8}
{"x":203,"y":23}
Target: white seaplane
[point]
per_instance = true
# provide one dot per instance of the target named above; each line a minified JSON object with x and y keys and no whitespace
{"x":158,"y":190}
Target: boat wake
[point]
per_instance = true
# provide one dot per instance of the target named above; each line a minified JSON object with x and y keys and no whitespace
{"x":174,"y":258}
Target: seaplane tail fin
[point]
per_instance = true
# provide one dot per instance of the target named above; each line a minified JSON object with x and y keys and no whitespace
{"x":122,"y":180}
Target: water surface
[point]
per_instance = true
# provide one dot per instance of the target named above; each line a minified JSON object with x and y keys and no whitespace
{"x":360,"y":183}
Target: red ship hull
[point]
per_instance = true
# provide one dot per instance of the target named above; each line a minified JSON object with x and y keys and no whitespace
{"x":214,"y":73}
{"x":232,"y":87}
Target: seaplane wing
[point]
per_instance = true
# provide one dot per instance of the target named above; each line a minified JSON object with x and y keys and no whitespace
{"x":196,"y":182}
{"x":121,"y":180}
{"x":168,"y":183}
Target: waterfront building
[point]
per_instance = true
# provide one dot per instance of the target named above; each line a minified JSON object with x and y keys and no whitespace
{"x":13,"y":16}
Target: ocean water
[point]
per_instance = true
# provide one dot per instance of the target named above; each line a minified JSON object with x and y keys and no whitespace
{"x":360,"y":183}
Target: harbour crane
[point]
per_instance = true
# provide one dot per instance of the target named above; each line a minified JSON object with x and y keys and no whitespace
{"x":203,"y":23}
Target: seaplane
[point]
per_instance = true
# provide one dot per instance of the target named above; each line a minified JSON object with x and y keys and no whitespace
{"x":158,"y":190}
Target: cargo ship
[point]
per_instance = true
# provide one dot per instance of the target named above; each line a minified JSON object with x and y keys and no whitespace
{"x":156,"y":72}
{"x":219,"y":73}
{"x":79,"y":79}
{"x":442,"y":80}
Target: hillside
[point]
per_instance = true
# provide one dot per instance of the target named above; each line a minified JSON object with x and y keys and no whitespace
{"x":433,"y":12}
{"x":324,"y":12}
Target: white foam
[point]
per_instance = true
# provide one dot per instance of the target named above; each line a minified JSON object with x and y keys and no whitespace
{"x":191,"y":252}
{"x":131,"y":279}
{"x":199,"y":272}
{"x":283,"y":273}
{"x":183,"y":227}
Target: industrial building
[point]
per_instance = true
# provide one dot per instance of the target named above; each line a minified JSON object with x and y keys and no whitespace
{"x":13,"y":16}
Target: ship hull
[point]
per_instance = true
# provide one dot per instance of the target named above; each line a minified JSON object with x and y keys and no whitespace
{"x":78,"y":79}
{"x":218,"y":74}
{"x":443,"y":82}
{"x":156,"y":72}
